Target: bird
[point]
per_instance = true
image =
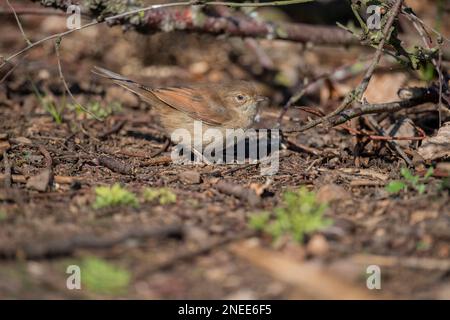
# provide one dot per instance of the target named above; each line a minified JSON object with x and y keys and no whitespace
{"x":220,"y":106}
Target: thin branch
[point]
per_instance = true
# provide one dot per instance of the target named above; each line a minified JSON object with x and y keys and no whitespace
{"x":356,"y":94}
{"x":429,"y":95}
{"x":420,"y":27}
{"x":66,"y":246}
{"x":245,"y":28}
{"x":393,"y":144}
{"x":337,"y":75}
{"x":66,"y":87}
{"x":18,"y":23}
{"x":32,"y":11}
{"x":7,"y":165}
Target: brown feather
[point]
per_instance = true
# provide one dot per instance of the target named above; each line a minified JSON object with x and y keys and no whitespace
{"x":198,"y":103}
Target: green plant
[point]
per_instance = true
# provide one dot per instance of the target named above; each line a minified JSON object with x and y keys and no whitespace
{"x":50,"y":105}
{"x":300,"y":214}
{"x":409,"y":180}
{"x":95,"y":109}
{"x":102,"y":277}
{"x":422,"y":246}
{"x":114,"y":196}
{"x":3,"y":215}
{"x":163,"y":195}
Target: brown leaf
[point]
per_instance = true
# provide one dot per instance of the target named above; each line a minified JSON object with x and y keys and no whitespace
{"x":437,"y":147}
{"x":41,"y":181}
{"x":190,"y":177}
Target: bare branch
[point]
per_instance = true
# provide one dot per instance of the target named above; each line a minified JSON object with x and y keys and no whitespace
{"x":356,"y":94}
{"x":428,"y":95}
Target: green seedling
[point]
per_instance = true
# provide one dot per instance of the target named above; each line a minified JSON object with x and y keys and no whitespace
{"x":299,"y":215}
{"x":114,"y":196}
{"x":101,"y":277}
{"x":96,"y":110}
{"x":409,"y":180}
{"x":50,"y":105}
{"x":3,"y":215}
{"x":163,"y":195}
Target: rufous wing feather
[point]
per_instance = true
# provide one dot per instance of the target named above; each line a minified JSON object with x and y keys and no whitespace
{"x":198,"y":103}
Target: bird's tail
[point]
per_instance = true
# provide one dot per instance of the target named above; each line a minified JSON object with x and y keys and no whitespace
{"x":128,"y":84}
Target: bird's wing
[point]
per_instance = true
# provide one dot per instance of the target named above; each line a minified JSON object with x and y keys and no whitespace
{"x":199,"y":103}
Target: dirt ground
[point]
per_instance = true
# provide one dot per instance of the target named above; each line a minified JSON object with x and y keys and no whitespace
{"x":203,"y":247}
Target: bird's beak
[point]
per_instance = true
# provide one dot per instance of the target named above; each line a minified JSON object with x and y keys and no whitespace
{"x":261,"y":98}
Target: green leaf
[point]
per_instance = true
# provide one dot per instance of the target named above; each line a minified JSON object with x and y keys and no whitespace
{"x":395,"y":186}
{"x":114,"y":196}
{"x":163,"y":195}
{"x":421,"y":188}
{"x":406,"y":174}
{"x":429,"y":173}
{"x":259,"y":221}
{"x":102,"y":277}
{"x":299,"y":214}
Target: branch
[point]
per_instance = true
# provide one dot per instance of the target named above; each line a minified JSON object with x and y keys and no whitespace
{"x":66,"y":246}
{"x":188,"y":20}
{"x":428,"y":95}
{"x":163,"y":19}
{"x":356,"y":94}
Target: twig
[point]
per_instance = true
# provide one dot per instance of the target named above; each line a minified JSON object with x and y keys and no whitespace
{"x":162,"y":149}
{"x":28,"y":42}
{"x":393,"y":144}
{"x":17,"y":178}
{"x":158,"y":161}
{"x":114,"y":129}
{"x":32,"y":11}
{"x":428,"y":95}
{"x":424,"y":263}
{"x":356,"y":94}
{"x":47,"y":156}
{"x":239,"y":192}
{"x":10,"y":71}
{"x":192,"y":254}
{"x":416,"y":18}
{"x":307,"y":280}
{"x":356,"y":132}
{"x":115,"y":165}
{"x":419,"y":25}
{"x":246,"y":28}
{"x":337,"y":75}
{"x":295,"y":146}
{"x":66,"y":86}
{"x":66,"y":246}
{"x":7,"y":176}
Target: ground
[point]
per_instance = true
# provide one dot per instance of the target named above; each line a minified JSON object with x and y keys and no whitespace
{"x":209,"y":251}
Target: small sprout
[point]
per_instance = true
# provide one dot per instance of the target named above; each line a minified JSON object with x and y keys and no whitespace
{"x":396,"y":186}
{"x":102,"y":277}
{"x":259,"y":221}
{"x":3,"y":215}
{"x":114,"y":196}
{"x":423,"y":246}
{"x":97,"y":110}
{"x":299,"y":215}
{"x":50,"y":105}
{"x":410,"y":180}
{"x":163,"y":195}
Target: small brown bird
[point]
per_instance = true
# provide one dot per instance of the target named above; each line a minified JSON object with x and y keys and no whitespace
{"x":218,"y":106}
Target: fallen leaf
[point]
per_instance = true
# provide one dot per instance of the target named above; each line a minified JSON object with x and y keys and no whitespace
{"x":190,"y":177}
{"x":437,"y":147}
{"x":41,"y":181}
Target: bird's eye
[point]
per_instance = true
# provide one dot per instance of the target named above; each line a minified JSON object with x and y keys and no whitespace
{"x":240,"y":97}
